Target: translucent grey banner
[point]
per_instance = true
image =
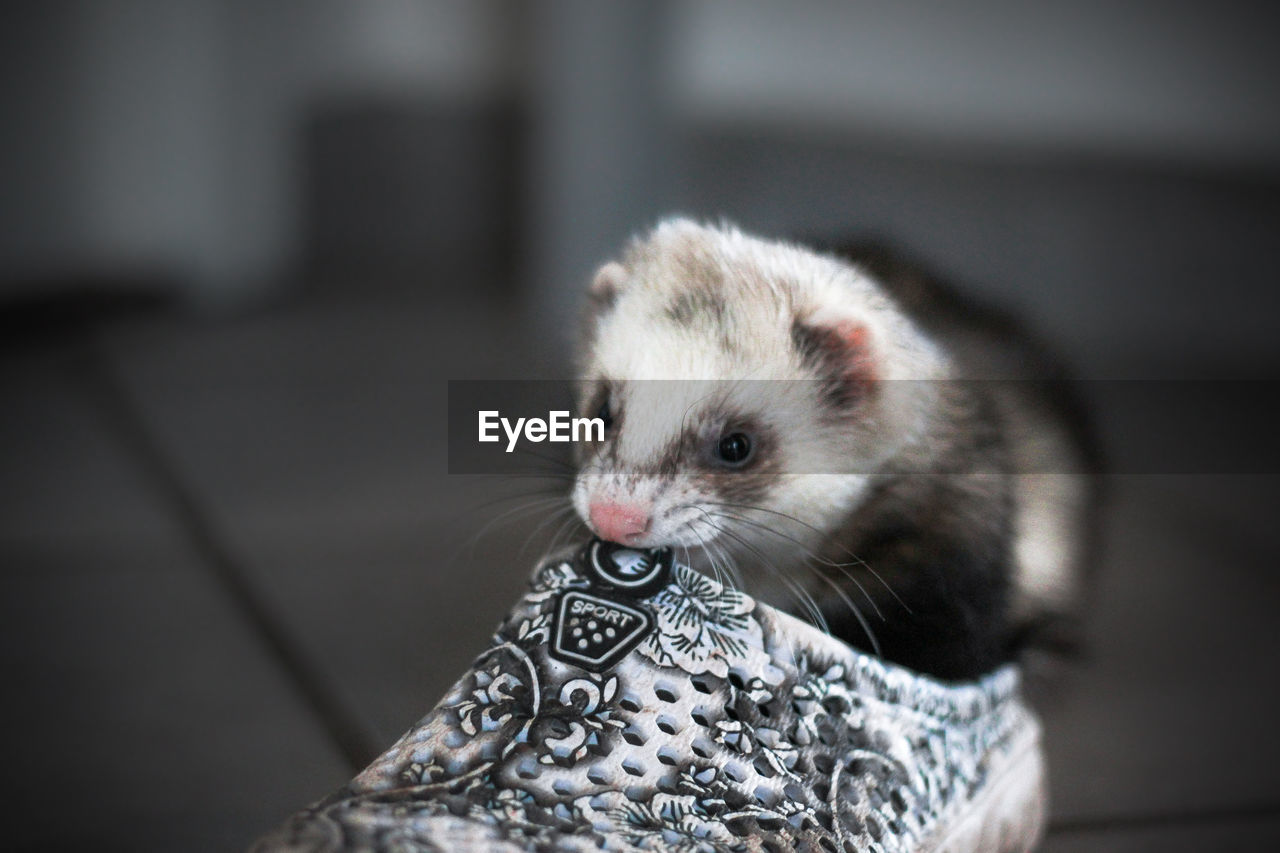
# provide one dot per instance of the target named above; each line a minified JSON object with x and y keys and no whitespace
{"x":539,"y":427}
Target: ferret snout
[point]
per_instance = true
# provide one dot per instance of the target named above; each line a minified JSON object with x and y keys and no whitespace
{"x":619,"y":521}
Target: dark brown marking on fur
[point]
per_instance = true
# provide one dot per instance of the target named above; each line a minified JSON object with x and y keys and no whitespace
{"x":748,"y":484}
{"x":702,"y":296}
{"x":940,"y":534}
{"x":693,"y":452}
{"x":840,"y":357}
{"x":701,"y":304}
{"x":696,"y":303}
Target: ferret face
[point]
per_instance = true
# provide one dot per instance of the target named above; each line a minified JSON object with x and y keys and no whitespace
{"x":746,"y":389}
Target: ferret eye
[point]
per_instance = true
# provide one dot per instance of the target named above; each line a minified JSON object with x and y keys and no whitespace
{"x":734,"y":449}
{"x":605,"y":414}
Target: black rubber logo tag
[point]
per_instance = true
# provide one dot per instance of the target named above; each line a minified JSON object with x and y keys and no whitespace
{"x":594,"y":632}
{"x":631,"y":570}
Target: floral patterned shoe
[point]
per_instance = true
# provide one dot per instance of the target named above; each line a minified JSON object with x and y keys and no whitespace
{"x":631,"y":704}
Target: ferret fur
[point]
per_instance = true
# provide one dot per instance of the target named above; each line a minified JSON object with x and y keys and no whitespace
{"x":919,"y":513}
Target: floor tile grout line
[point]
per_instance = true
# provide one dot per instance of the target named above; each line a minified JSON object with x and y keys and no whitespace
{"x":1156,"y":820}
{"x":356,"y":745}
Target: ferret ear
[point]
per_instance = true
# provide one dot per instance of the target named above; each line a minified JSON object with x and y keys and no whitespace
{"x":839,"y":351}
{"x":605,"y":287}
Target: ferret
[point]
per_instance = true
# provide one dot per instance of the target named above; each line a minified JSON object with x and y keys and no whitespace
{"x":827,"y":431}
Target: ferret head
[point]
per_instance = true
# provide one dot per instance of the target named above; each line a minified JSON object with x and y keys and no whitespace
{"x":742,"y":382}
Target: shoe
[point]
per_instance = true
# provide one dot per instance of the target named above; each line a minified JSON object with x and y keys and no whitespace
{"x":630,"y":703}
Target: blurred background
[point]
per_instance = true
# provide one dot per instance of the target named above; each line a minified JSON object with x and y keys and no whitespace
{"x":244,"y":245}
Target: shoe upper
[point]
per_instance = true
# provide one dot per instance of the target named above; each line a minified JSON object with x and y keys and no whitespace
{"x":628,"y":702}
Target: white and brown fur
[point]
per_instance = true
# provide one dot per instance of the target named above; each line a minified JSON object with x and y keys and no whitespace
{"x":928,"y":521}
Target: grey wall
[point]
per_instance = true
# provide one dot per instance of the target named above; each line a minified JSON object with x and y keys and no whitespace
{"x":1131,"y":269}
{"x":1108,"y":169}
{"x":1097,"y":164}
{"x":1157,"y":79}
{"x":164,"y":134}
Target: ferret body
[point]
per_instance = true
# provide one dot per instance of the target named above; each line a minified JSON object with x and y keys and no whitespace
{"x":810,"y":426}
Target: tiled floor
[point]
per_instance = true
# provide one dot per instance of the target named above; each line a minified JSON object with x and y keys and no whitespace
{"x":234,"y":568}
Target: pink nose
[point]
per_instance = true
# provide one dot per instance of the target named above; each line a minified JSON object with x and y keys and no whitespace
{"x":618,"y":522}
